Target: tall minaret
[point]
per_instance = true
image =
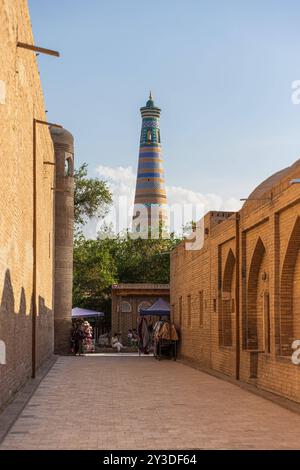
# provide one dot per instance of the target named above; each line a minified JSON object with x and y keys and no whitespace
{"x":150,"y":194}
{"x":64,"y":221}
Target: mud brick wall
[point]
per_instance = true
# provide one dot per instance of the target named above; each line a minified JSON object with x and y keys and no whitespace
{"x":21,"y":100}
{"x":248,"y":273}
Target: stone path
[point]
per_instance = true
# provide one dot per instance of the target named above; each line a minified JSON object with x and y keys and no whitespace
{"x":123,"y":402}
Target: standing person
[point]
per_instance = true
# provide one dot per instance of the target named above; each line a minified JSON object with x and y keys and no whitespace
{"x":78,"y":338}
{"x":72,"y":339}
{"x":116,"y":343}
{"x":88,"y":342}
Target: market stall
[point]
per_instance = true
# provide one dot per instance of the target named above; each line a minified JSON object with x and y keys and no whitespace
{"x":160,"y":336}
{"x":91,"y":324}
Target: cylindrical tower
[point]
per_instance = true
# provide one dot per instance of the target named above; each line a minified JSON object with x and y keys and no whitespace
{"x":64,"y":222}
{"x":150,"y":194}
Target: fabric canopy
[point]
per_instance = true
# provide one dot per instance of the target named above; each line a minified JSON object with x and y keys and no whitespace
{"x":83,"y":312}
{"x":160,"y":307}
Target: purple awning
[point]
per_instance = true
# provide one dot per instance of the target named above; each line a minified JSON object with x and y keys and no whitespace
{"x":83,"y":312}
{"x":160,"y":307}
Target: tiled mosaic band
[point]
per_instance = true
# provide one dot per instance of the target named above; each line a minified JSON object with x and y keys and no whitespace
{"x":150,"y":184}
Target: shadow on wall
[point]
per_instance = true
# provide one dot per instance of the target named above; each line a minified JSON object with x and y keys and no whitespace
{"x":16,"y":333}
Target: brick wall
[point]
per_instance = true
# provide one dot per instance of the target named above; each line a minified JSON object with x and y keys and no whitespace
{"x":248,"y":272}
{"x":21,"y":100}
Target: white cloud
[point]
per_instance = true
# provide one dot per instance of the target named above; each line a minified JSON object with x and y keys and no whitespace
{"x":116,"y":174}
{"x":121,"y":180}
{"x":122,"y":183}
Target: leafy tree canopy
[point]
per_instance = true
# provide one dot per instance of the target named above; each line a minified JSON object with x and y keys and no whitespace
{"x":113,"y":258}
{"x":92,"y":196}
{"x":105,"y":261}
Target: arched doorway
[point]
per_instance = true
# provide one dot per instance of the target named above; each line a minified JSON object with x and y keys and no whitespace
{"x":227,"y":302}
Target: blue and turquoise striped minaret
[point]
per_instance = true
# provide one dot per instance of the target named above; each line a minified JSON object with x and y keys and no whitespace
{"x":150,"y":184}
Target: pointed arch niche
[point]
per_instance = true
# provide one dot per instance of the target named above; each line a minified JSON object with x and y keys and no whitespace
{"x":227,"y":301}
{"x":290,"y":292}
{"x":257,"y":325}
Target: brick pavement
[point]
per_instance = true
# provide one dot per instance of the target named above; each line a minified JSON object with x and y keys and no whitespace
{"x":123,"y":402}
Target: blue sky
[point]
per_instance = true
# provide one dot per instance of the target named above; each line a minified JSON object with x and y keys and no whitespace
{"x":220,"y":71}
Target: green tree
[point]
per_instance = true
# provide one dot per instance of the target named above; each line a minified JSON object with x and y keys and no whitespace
{"x":108,"y":260}
{"x":94,"y":273}
{"x":92,"y":196}
{"x":143,"y":260}
{"x":105,"y":261}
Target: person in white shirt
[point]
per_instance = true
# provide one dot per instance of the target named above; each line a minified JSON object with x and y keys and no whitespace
{"x":116,"y":343}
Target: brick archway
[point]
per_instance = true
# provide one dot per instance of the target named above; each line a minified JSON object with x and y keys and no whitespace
{"x":227,"y":303}
{"x":255,"y":327}
{"x":289,"y":300}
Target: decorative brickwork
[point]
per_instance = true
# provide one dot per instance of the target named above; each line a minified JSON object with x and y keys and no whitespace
{"x":248,"y":273}
{"x":150,"y":194}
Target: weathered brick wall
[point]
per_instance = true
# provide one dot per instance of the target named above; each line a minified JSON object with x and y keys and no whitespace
{"x":223,"y":249}
{"x":21,"y":100}
{"x":263,"y":256}
{"x":192,"y":281}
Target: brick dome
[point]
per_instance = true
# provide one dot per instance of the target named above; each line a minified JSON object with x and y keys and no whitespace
{"x":61,"y":136}
{"x":267,"y":185}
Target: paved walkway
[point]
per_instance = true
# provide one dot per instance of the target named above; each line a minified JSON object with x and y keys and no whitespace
{"x":126,"y":402}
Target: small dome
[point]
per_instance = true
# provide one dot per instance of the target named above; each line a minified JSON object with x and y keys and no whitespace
{"x":273,"y":180}
{"x":61,"y":136}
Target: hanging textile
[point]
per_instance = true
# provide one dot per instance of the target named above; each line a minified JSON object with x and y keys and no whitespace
{"x":144,"y":335}
{"x":168,"y":331}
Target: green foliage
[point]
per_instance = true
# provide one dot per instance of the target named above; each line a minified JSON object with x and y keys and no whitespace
{"x":92,"y":196}
{"x":94,"y":273}
{"x":100,"y":263}
{"x":143,"y":260}
{"x":110,"y":259}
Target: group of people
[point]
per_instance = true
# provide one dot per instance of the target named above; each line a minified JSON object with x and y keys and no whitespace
{"x":81,"y":337}
{"x":132,"y":340}
{"x":145,"y":337}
